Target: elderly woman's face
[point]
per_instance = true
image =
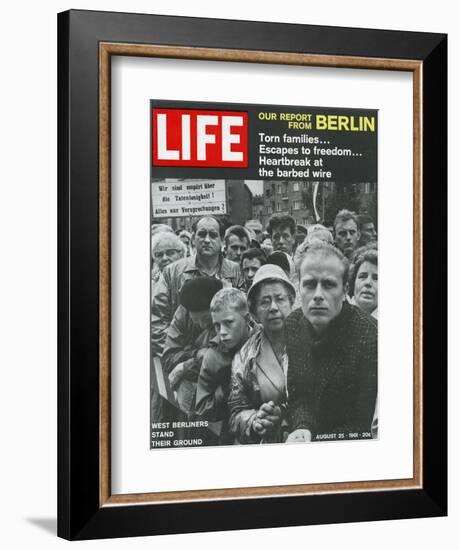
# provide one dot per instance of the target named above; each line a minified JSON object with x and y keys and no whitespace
{"x":322,"y":235}
{"x":366,"y":287}
{"x":164,"y":254}
{"x":272,"y":306}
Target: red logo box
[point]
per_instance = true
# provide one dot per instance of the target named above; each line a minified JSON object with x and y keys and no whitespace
{"x":189,"y":137}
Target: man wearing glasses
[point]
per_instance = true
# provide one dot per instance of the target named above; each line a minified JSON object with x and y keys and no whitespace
{"x":208,"y":262}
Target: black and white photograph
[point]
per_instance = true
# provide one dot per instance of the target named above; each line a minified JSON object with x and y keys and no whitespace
{"x":264,"y":281}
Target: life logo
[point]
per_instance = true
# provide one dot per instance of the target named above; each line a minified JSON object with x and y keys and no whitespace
{"x":189,"y":137}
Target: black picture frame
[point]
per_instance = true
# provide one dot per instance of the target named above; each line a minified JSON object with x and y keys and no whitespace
{"x":80,"y":513}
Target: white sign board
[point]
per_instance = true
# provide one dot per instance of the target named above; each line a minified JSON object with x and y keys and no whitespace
{"x":182,"y":198}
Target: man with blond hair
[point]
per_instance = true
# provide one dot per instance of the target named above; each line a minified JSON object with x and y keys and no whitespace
{"x":332,"y":353}
{"x":237,"y":241}
{"x":232,"y":324}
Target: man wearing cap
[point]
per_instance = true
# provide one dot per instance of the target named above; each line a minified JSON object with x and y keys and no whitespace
{"x":332,"y":353}
{"x":208,"y":262}
{"x":232,"y":323}
{"x":185,"y":237}
{"x":189,"y":333}
{"x":258,"y":396}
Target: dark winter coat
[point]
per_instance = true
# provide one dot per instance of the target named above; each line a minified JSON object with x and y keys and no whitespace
{"x":332,"y":382}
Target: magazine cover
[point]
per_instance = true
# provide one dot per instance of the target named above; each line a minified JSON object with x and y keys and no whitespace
{"x":264,"y":274}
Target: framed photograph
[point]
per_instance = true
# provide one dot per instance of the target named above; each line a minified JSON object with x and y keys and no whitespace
{"x":231,"y":352}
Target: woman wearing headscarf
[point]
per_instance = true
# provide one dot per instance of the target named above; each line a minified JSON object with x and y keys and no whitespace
{"x":258,"y":396}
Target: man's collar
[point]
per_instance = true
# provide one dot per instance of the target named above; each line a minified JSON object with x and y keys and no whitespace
{"x":193,"y":265}
{"x":334,"y":329}
{"x":225,"y":268}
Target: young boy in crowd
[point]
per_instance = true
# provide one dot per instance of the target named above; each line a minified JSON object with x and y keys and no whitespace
{"x":232,"y":324}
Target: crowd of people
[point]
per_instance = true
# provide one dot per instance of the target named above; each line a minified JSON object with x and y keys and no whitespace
{"x":267,"y":335}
